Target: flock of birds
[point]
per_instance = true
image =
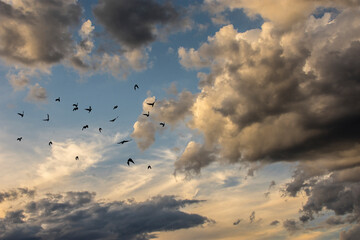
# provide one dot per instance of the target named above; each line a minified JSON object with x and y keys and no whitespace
{"x":89,"y":109}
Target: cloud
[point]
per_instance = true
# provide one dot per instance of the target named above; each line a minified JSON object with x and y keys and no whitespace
{"x":291,"y":226}
{"x":252,"y":217}
{"x":351,"y":234}
{"x":170,"y":111}
{"x":144,"y":133}
{"x":15,"y":194}
{"x":194,"y":157}
{"x":284,"y":14}
{"x":237,"y":222}
{"x":37,"y":93}
{"x":272,"y":184}
{"x":274,"y":223}
{"x":137,"y":23}
{"x":271,"y":95}
{"x":77,"y":215}
{"x":37,"y":32}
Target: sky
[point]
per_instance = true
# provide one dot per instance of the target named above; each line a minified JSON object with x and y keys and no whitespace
{"x":260,"y":101}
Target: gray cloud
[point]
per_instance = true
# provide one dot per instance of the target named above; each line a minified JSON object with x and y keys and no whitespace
{"x":252,"y":217}
{"x":37,"y":93}
{"x":275,"y":95}
{"x":351,"y":234}
{"x":76,"y":215}
{"x":272,"y":184}
{"x":139,"y":22}
{"x":37,"y":32}
{"x":291,"y":226}
{"x":194,"y":157}
{"x":15,"y":194}
{"x":237,"y":222}
{"x":274,"y":223}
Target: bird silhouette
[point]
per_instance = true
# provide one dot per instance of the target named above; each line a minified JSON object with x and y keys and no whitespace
{"x":136,"y":87}
{"x":151,"y":104}
{"x":146,"y":114}
{"x":130,"y":161}
{"x":124,"y":141}
{"x":84,"y":127}
{"x":77,"y":158}
{"x":47,"y":119}
{"x":100,"y":129}
{"x":19,"y":139}
{"x":149,"y":167}
{"x":75,"y":108}
{"x":115,"y":107}
{"x":21,"y":114}
{"x":57,"y":100}
{"x":88,"y":109}
{"x":50,"y":143}
{"x":113,"y":120}
{"x":162,"y":124}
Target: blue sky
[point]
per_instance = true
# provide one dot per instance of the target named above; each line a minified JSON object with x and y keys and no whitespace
{"x":260,"y":101}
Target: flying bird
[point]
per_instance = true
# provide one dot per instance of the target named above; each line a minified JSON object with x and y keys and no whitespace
{"x":100,"y":129}
{"x":115,"y":107}
{"x":50,"y":143}
{"x":57,"y":100}
{"x":84,"y":127}
{"x":136,"y":87}
{"x":113,"y":120}
{"x":47,"y":119}
{"x":162,"y":124}
{"x":77,"y":158}
{"x":19,"y":139}
{"x":21,"y":114}
{"x":146,"y":114}
{"x":151,"y":104}
{"x":130,"y":161}
{"x":88,"y":109}
{"x":149,"y":167}
{"x":124,"y":141}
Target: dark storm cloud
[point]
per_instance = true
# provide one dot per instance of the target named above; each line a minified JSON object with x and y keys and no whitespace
{"x":76,"y":215}
{"x":138,"y":22}
{"x":37,"y":32}
{"x":15,"y":194}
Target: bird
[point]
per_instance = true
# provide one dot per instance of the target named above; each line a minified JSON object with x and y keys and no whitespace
{"x":151,"y":104}
{"x":113,"y":120}
{"x":136,"y":87}
{"x":149,"y":167}
{"x":47,"y":119}
{"x":50,"y":143}
{"x":75,"y":108}
{"x":57,"y":100}
{"x":84,"y":127}
{"x":162,"y":124}
{"x":75,"y":104}
{"x":100,"y":129}
{"x":88,"y":109}
{"x":124,"y":141}
{"x":19,"y":139}
{"x":77,"y":158}
{"x":129,"y":161}
{"x":21,"y":114}
{"x":146,"y":114}
{"x":115,"y":107}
